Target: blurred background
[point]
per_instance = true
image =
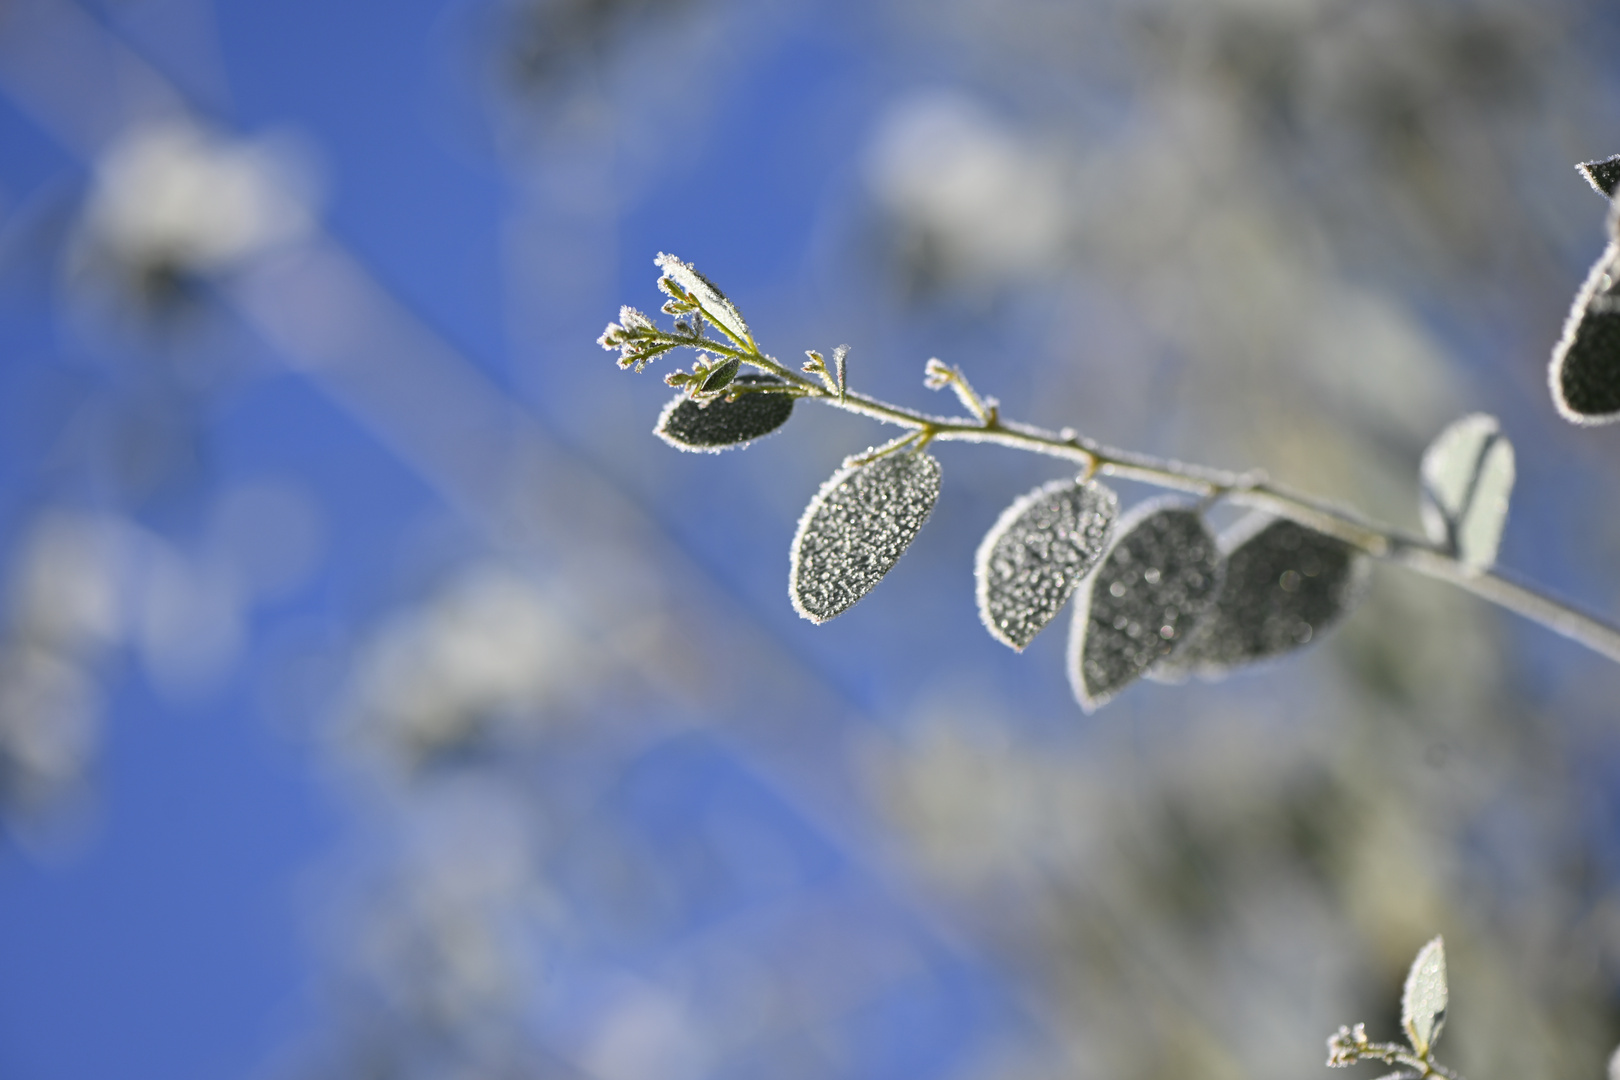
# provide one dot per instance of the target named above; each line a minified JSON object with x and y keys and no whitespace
{"x":378,"y":699}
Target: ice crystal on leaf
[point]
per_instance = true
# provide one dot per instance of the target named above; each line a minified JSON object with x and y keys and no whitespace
{"x":721,"y":424}
{"x":1284,"y":585}
{"x":1604,"y":176}
{"x":856,"y":529}
{"x":707,"y":295}
{"x":1034,"y":557}
{"x":1467,"y":479}
{"x":1156,"y":581}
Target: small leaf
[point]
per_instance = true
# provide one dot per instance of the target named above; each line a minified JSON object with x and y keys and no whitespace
{"x":1156,"y":581}
{"x":721,"y":376}
{"x":708,"y":294}
{"x":1424,"y":1000}
{"x":856,"y":529}
{"x":1284,"y":585}
{"x":1037,"y":552}
{"x":1604,"y":176}
{"x":1585,"y":369}
{"x":719,"y":425}
{"x":1467,"y":478}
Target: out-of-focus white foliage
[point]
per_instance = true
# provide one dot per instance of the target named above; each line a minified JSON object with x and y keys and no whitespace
{"x":486,"y":651}
{"x":856,"y":528}
{"x":1034,"y":556}
{"x":1425,"y":996}
{"x":171,"y":194}
{"x":1467,"y":481}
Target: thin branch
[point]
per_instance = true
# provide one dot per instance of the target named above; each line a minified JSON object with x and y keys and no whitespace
{"x":1246,"y":489}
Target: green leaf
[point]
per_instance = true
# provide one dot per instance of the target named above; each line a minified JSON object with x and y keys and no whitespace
{"x":720,"y":424}
{"x":1155,"y":583}
{"x":1467,"y":479}
{"x":1036,"y":554}
{"x":1425,"y":997}
{"x":856,"y":529}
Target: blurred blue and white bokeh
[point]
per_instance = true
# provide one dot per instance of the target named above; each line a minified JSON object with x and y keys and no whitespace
{"x":379,"y":699}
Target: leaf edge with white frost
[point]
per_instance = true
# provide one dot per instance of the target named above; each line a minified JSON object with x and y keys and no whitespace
{"x":1096,"y":501}
{"x":849,"y":474}
{"x":1559,"y":367}
{"x":717,"y":305}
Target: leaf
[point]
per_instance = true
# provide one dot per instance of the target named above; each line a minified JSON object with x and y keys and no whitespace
{"x":1604,"y":176}
{"x":1284,"y":585}
{"x":1034,"y":556}
{"x":706,"y":293}
{"x":1585,"y":369}
{"x":720,"y":425}
{"x":856,"y":529}
{"x":1423,"y":1002}
{"x":1467,"y":478}
{"x":1156,"y":581}
{"x":721,"y":376}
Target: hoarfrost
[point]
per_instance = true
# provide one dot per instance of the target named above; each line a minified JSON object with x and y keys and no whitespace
{"x":1284,"y":585}
{"x":706,"y":293}
{"x":1467,"y":478}
{"x":1604,"y":176}
{"x":720,"y":425}
{"x":856,"y":529}
{"x":1425,"y":997}
{"x":1585,"y":371}
{"x":1155,"y":583}
{"x":1034,"y":557}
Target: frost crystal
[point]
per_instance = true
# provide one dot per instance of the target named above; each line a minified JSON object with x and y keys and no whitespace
{"x":1585,"y":369}
{"x":1157,"y":580}
{"x":706,"y":293}
{"x":1036,"y":554}
{"x":1467,"y":478}
{"x":720,"y":425}
{"x":1425,"y":997}
{"x":1285,"y":584}
{"x":1604,"y":176}
{"x":856,"y":529}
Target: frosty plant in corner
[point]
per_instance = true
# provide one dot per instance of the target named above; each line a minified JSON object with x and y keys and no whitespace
{"x":1155,"y":592}
{"x":1423,"y":1014}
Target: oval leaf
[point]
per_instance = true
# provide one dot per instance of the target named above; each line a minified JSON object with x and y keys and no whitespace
{"x":1037,"y":552}
{"x":719,"y":425}
{"x":706,"y":293}
{"x":1156,"y":581}
{"x":1284,"y":585}
{"x":1424,"y":1000}
{"x":856,"y":529}
{"x":1585,"y":370}
{"x":1467,"y":478}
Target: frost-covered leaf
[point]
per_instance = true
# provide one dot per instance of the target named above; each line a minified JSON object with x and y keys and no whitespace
{"x":856,"y":529}
{"x":1585,"y":369}
{"x":721,"y":376}
{"x":1154,"y":584}
{"x":1604,"y":176}
{"x":706,"y":293}
{"x":1467,"y":479}
{"x":719,"y":425}
{"x":1284,"y":585}
{"x":1036,"y":554}
{"x":1424,"y":1000}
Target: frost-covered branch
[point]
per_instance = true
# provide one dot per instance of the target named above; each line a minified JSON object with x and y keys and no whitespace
{"x":1159,"y":594}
